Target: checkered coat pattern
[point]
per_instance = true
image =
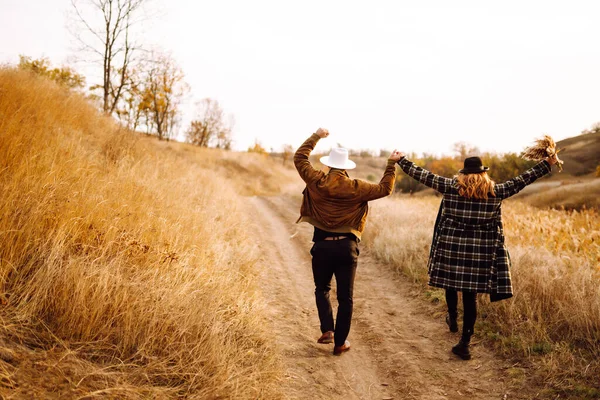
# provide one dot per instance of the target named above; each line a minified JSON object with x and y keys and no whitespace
{"x":468,"y":251}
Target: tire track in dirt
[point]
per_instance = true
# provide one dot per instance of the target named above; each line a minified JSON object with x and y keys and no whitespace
{"x":398,"y":350}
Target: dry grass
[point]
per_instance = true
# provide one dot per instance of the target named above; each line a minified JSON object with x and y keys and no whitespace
{"x":569,"y":194}
{"x":580,"y":153}
{"x":250,"y":173}
{"x":554,"y":318}
{"x":127,"y":269}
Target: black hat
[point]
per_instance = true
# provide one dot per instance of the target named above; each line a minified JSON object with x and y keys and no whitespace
{"x":473,"y":165}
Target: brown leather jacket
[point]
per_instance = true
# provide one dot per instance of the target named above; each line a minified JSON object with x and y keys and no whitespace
{"x":334,"y":202}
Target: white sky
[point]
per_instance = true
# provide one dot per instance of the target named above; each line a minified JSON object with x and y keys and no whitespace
{"x":413,"y":75}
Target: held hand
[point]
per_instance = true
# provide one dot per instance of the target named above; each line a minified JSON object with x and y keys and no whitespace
{"x":553,"y":159}
{"x":396,"y":155}
{"x":323,"y":133}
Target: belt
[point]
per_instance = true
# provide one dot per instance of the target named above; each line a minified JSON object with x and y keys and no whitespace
{"x":335,"y":237}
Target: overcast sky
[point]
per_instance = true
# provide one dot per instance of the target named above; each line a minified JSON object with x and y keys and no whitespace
{"x":413,"y":75}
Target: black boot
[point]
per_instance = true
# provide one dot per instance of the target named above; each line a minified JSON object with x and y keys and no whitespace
{"x":451,"y":321}
{"x":462,"y":348}
{"x":452,"y":302}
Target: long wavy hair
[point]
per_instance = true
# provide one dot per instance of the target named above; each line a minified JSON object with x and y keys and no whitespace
{"x":478,"y":186}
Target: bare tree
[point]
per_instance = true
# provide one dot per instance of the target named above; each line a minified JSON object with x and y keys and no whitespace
{"x":595,"y":128}
{"x":198,"y":133}
{"x":224,"y":139}
{"x":103,"y":29}
{"x":287,"y":152}
{"x":209,"y":128}
{"x":464,"y":150}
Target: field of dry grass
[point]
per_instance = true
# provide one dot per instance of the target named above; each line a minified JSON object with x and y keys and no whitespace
{"x":553,"y":321}
{"x":569,"y":194}
{"x":249,"y":173}
{"x":127,"y":270}
{"x":580,"y":153}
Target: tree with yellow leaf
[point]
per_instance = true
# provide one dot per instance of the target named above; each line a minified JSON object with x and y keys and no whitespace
{"x":257,"y":148}
{"x":161,"y":91}
{"x":210,"y":127}
{"x":104,"y":31}
{"x":130,"y":110}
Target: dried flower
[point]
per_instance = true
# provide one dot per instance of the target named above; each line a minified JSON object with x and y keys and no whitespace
{"x":543,"y":148}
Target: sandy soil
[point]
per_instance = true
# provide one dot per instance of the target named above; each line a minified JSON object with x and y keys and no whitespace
{"x":399,"y":351}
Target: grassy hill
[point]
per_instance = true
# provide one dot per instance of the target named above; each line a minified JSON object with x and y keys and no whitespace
{"x":576,"y":187}
{"x":581,"y":153}
{"x":570,"y":193}
{"x":127,"y":268}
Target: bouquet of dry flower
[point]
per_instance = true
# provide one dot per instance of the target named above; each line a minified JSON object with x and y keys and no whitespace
{"x":544,"y":147}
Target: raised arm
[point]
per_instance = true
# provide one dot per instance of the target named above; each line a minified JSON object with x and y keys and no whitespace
{"x":436,"y":182}
{"x":515,"y":185}
{"x":307,"y":172}
{"x":372,"y":191}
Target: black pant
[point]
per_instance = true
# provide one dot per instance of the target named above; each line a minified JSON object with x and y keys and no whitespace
{"x":469,"y":307}
{"x":339,"y":258}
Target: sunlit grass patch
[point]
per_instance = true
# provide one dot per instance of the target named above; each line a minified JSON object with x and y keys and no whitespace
{"x":133,"y":261}
{"x":554,"y":316}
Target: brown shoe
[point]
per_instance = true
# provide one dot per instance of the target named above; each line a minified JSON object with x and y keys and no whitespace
{"x":337,"y":350}
{"x":326,"y":338}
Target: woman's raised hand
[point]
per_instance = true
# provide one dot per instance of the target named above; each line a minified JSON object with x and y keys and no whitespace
{"x":396,"y":155}
{"x":553,"y":159}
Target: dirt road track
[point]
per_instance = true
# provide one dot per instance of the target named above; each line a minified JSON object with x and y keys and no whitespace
{"x":398,"y":350}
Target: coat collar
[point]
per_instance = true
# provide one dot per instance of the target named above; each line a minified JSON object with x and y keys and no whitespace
{"x":336,"y":171}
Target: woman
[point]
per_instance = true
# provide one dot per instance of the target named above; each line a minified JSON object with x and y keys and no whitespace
{"x":468,"y":254}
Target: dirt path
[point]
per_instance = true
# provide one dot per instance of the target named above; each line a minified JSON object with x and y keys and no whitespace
{"x":398,"y":350}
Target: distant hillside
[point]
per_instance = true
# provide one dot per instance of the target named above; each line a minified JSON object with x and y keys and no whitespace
{"x":569,"y":194}
{"x":576,"y":187}
{"x":581,"y":153}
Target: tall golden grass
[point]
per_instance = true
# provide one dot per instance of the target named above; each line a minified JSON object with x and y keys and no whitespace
{"x":133,"y":259}
{"x":569,"y":194}
{"x":554,"y":317}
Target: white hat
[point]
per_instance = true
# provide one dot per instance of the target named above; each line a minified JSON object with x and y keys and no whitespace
{"x":338,"y":158}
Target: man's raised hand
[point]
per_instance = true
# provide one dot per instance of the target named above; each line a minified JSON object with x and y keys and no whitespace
{"x":323,"y":133}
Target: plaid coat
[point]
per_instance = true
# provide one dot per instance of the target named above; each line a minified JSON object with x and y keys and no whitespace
{"x":468,"y":251}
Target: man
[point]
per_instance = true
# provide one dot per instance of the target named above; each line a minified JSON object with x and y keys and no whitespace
{"x":337,"y":208}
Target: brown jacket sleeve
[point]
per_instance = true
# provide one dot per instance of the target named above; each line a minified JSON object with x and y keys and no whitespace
{"x":372,"y":191}
{"x":307,"y":172}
